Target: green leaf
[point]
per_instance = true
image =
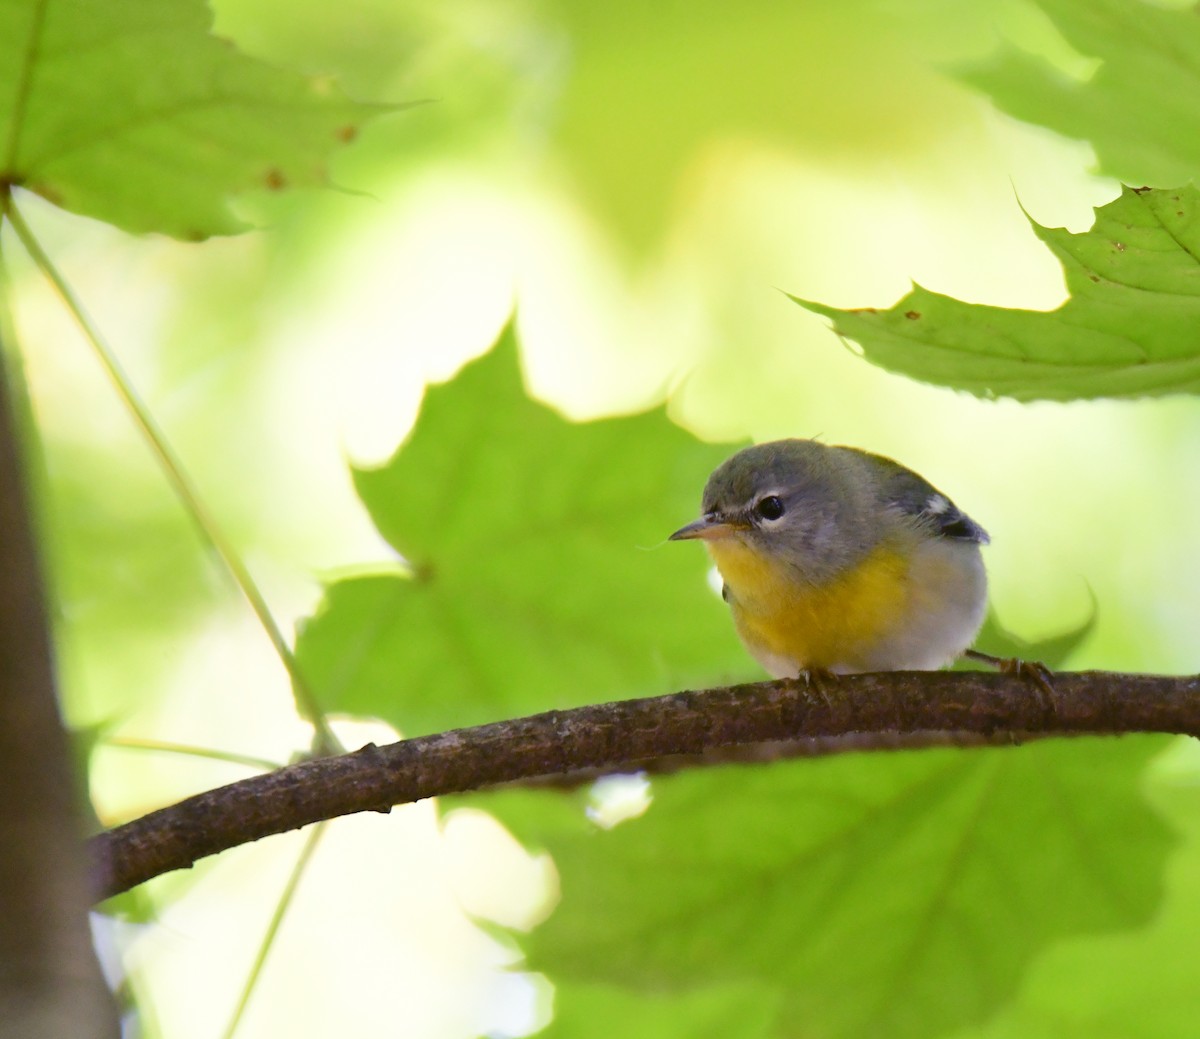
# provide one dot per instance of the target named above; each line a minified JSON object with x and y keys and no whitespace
{"x":540,"y":573}
{"x":1140,"y":983}
{"x":1053,"y":651}
{"x":134,"y":113}
{"x":1128,"y":329}
{"x":895,"y":895}
{"x":713,"y":1012}
{"x":1138,"y":109}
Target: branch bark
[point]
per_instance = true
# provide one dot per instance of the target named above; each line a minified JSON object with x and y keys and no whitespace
{"x":622,"y":736}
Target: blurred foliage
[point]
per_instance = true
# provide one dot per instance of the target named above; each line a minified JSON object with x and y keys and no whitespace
{"x":1128,"y":329}
{"x":1138,"y":983}
{"x":899,"y":894}
{"x":635,"y":114}
{"x":1054,"y":652}
{"x":627,"y":102}
{"x":982,"y":894}
{"x":728,"y":1011}
{"x":1137,"y":108}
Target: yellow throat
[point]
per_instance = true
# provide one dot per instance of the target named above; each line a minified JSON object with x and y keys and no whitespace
{"x":832,"y":625}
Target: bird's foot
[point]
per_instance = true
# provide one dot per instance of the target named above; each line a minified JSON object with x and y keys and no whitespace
{"x":820,"y":681}
{"x":1031,"y":670}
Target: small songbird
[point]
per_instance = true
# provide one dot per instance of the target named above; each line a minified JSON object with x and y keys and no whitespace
{"x":838,"y":560}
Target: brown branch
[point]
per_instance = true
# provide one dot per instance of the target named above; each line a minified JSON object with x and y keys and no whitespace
{"x":786,"y":750}
{"x":619,"y":736}
{"x":50,"y":981}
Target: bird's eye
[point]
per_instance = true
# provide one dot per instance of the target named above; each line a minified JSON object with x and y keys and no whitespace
{"x":770,"y":507}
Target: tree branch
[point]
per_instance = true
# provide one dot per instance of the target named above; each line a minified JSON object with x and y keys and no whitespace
{"x":622,"y":736}
{"x":50,"y":980}
{"x":786,"y":750}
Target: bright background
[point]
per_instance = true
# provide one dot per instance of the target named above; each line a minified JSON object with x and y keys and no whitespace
{"x":641,"y":181}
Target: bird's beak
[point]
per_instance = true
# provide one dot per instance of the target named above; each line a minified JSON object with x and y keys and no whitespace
{"x":707,"y":528}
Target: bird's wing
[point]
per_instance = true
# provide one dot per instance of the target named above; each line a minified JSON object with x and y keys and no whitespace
{"x":913,"y":495}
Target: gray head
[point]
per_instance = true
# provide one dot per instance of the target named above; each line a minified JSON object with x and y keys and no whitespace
{"x":805,"y":504}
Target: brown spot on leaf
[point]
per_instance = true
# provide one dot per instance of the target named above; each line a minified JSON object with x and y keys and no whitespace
{"x":423,"y":573}
{"x":275,"y":180}
{"x":1119,"y":246}
{"x":1142,"y":190}
{"x":346,"y":133}
{"x":1094,"y":277}
{"x":912,"y":315}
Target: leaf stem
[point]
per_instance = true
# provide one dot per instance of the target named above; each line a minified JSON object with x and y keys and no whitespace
{"x":281,"y":908}
{"x":165,"y":747}
{"x":28,"y":434}
{"x":325,"y":741}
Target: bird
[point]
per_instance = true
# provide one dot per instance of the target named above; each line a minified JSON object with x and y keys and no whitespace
{"x":835,"y":560}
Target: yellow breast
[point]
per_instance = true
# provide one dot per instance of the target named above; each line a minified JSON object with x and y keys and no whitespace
{"x":832,"y":626}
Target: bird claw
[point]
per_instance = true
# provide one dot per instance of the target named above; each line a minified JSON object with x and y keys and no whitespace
{"x":1030,"y":670}
{"x":1040,"y":675}
{"x":820,"y":681}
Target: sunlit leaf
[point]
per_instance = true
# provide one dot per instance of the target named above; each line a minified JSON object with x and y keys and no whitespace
{"x":540,"y":574}
{"x":135,"y":113}
{"x":1128,"y":330}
